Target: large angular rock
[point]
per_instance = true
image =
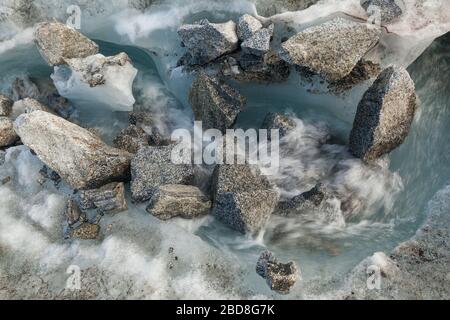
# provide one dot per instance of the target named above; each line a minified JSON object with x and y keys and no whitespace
{"x":7,"y":134}
{"x":215,"y":103}
{"x":5,"y":106}
{"x":280,"y":277}
{"x":77,"y":155}
{"x":390,"y":10}
{"x":131,"y":139}
{"x":384,"y":115}
{"x":153,"y":167}
{"x":207,"y":41}
{"x":331,"y":49}
{"x":258,"y":44}
{"x":243,"y":198}
{"x":281,"y":122}
{"x":247,"y":27}
{"x":106,"y":80}
{"x":57,"y":42}
{"x":107,"y":199}
{"x":170,"y":201}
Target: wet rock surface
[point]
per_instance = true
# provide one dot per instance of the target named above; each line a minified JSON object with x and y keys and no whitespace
{"x":243,"y":198}
{"x":279,"y":276}
{"x":107,"y":199}
{"x":384,"y":115}
{"x":247,"y":27}
{"x":5,"y":106}
{"x":170,"y":201}
{"x":131,"y":139}
{"x":277,"y":121}
{"x":58,"y":42}
{"x":152,"y":167}
{"x":77,"y":155}
{"x":216,"y":104}
{"x":331,"y":49}
{"x":389,"y":10}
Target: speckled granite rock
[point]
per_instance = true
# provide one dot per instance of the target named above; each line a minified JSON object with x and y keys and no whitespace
{"x":278,"y":121}
{"x":215,"y":103}
{"x":5,"y":106}
{"x":247,"y":27}
{"x":258,"y":44}
{"x":243,"y":198}
{"x":131,"y":139}
{"x":279,"y":276}
{"x":73,"y":213}
{"x":207,"y":41}
{"x":58,"y":42}
{"x":384,"y":115}
{"x":107,"y":199}
{"x":86,"y":231}
{"x":170,"y":201}
{"x":152,"y":167}
{"x":77,"y":155}
{"x":331,"y":49}
{"x":7,"y":134}
{"x":390,"y":10}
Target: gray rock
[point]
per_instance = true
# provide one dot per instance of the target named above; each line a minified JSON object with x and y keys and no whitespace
{"x":77,"y":155}
{"x":331,"y":49}
{"x":310,"y":199}
{"x":207,"y":41}
{"x":144,"y":120}
{"x":170,"y":201}
{"x":278,"y":121}
{"x":384,"y":115}
{"x":5,"y":106}
{"x":243,"y":198}
{"x":107,"y":199}
{"x":73,"y":213}
{"x":152,"y":167}
{"x":247,"y":27}
{"x":215,"y":103}
{"x":280,"y":277}
{"x":29,"y":105}
{"x":269,"y":8}
{"x":48,"y":174}
{"x":8,"y":136}
{"x":390,"y":10}
{"x":57,"y":42}
{"x":363,"y":71}
{"x":131,"y":139}
{"x":258,"y":44}
{"x":24,"y":87}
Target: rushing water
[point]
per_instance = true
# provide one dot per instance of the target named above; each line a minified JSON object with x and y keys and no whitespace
{"x":396,"y":192}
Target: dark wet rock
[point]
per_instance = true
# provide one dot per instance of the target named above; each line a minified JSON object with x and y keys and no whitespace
{"x":207,"y":41}
{"x":243,"y":198}
{"x":77,"y":155}
{"x":86,"y":231}
{"x":310,"y":199}
{"x":390,"y":10}
{"x":145,"y":121}
{"x":58,"y":42}
{"x":280,"y":277}
{"x":107,"y":199}
{"x":258,"y":44}
{"x":8,"y":136}
{"x":247,"y":27}
{"x":131,"y":139}
{"x":24,"y":87}
{"x":363,"y":71}
{"x":216,"y":104}
{"x":331,"y":49}
{"x":384,"y":115}
{"x":5,"y":106}
{"x":152,"y":167}
{"x":48,"y":174}
{"x":170,"y":201}
{"x":73,"y":213}
{"x":281,"y":122}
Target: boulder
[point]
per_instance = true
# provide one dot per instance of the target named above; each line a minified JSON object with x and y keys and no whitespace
{"x":215,"y":103}
{"x":243,"y":198}
{"x":390,"y":10}
{"x":105,"y":80}
{"x":207,"y":41}
{"x":170,"y":201}
{"x":107,"y":199}
{"x":258,"y":44}
{"x":5,"y":106}
{"x":131,"y":139}
{"x":384,"y":115}
{"x":278,"y":121}
{"x":280,"y":277}
{"x":57,"y":42}
{"x":29,"y":105}
{"x":247,"y":27}
{"x":77,"y":155}
{"x":86,"y":231}
{"x":331,"y":49}
{"x":153,"y":167}
{"x":144,"y":120}
{"x":8,"y":136}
